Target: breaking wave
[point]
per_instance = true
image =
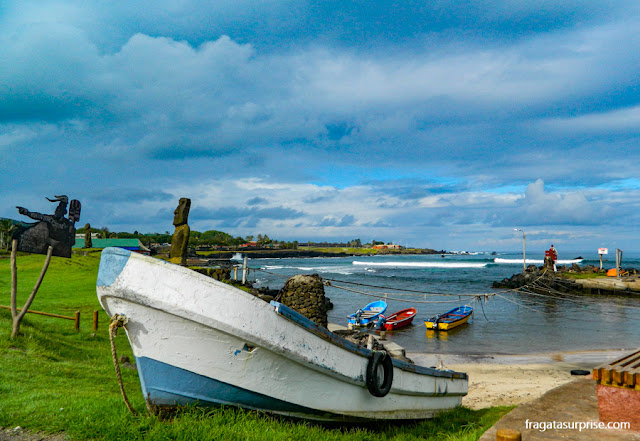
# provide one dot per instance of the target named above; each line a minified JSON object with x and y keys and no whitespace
{"x":317,"y":269}
{"x":536,"y":261}
{"x":423,"y":264}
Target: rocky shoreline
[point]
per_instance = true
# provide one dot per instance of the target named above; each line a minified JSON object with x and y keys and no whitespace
{"x":544,"y":281}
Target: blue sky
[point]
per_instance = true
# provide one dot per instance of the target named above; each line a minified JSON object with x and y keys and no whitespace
{"x":436,"y":124}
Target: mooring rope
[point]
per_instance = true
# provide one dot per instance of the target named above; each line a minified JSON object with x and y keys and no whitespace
{"x":532,"y":288}
{"x":413,"y":291}
{"x":396,"y":291}
{"x":537,"y":285}
{"x":119,"y":321}
{"x":387,"y":297}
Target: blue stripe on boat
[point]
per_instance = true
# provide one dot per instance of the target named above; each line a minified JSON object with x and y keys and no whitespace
{"x":112,"y":262}
{"x":167,"y":385}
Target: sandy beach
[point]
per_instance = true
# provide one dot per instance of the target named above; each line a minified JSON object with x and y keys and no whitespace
{"x":506,"y":380}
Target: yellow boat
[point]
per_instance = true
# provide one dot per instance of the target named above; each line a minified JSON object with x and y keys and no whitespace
{"x":449,"y":320}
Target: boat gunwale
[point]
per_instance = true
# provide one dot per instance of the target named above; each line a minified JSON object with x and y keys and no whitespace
{"x":407,"y":313}
{"x":393,"y":322}
{"x":369,"y":315}
{"x":329,"y":336}
{"x":468,"y":310}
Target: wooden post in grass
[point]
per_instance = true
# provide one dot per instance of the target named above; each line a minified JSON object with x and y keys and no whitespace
{"x":15,"y":316}
{"x":53,"y":235}
{"x":244,"y":271}
{"x":95,"y":320}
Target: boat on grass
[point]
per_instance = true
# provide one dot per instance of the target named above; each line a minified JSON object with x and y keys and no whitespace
{"x":367,"y":315}
{"x":398,"y":319}
{"x":450,"y":319}
{"x":201,"y":342}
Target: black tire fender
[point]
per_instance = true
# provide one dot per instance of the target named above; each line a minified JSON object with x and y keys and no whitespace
{"x":580,"y":372}
{"x":376,"y":387}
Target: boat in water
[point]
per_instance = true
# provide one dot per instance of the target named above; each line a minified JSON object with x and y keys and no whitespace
{"x":198,"y":341}
{"x":398,"y":319}
{"x":450,"y":319}
{"x":367,"y":315}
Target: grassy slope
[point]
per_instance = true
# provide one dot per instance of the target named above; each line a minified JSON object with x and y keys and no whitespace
{"x":583,"y":275}
{"x":53,"y":379}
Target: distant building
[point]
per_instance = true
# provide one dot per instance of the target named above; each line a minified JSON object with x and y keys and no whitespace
{"x":389,"y":246}
{"x":251,"y":244}
{"x":323,"y":244}
{"x":93,"y":235}
{"x":127,"y":244}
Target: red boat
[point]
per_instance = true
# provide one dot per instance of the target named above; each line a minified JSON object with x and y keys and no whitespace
{"x":399,"y":319}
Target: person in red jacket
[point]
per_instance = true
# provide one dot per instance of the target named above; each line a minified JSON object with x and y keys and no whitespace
{"x":554,"y":256}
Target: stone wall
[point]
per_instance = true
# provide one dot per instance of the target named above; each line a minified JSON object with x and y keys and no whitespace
{"x":305,"y":294}
{"x":215,"y":273}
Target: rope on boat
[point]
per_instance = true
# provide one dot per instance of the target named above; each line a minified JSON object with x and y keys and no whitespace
{"x":482,"y":304}
{"x":119,"y":321}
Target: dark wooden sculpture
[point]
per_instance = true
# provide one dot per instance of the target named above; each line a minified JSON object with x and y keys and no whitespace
{"x":53,"y":230}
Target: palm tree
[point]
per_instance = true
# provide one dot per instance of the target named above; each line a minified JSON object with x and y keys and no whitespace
{"x":6,"y":228}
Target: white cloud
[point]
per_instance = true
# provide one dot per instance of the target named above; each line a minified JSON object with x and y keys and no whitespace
{"x":619,"y":120}
{"x":538,"y":207}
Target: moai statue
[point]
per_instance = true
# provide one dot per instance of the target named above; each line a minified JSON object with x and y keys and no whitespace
{"x":87,"y":236}
{"x":180,"y":239}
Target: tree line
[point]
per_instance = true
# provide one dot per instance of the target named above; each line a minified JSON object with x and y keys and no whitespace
{"x":210,"y":238}
{"x":196,"y":238}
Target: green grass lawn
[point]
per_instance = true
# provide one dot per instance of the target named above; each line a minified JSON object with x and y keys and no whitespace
{"x":583,"y":275}
{"x":53,"y":379}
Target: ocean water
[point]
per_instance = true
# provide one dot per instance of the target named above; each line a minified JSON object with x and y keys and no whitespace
{"x":504,"y":322}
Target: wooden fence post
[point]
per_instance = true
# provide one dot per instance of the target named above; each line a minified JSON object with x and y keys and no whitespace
{"x":244,"y":271}
{"x":95,"y":320}
{"x":77,"y":321}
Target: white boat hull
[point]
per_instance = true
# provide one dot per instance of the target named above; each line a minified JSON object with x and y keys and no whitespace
{"x":197,"y":340}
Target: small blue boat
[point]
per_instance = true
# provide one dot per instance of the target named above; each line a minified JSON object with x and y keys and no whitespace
{"x":451,"y":319}
{"x":368,"y":314}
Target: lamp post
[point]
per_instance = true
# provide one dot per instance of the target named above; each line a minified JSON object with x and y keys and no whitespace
{"x":524,"y":249}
